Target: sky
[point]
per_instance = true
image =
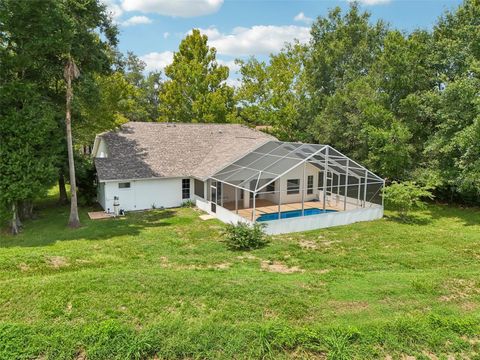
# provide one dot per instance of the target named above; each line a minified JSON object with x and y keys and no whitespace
{"x":153,"y":29}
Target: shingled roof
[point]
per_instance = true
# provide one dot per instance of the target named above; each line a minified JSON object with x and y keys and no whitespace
{"x":148,"y":150}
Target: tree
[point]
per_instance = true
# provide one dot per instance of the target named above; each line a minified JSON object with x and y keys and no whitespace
{"x":405,"y":197}
{"x":144,"y":100}
{"x":82,"y":31}
{"x":71,"y":72}
{"x":356,"y":121}
{"x":196,"y":90}
{"x":27,"y":124}
{"x":342,"y":49}
{"x":275,"y":94}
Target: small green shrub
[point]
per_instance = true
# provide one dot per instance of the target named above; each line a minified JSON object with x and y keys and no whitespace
{"x":405,"y":197}
{"x":245,"y":237}
{"x":188,"y":204}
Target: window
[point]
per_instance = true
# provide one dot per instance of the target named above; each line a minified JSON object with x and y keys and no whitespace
{"x":199,"y":188}
{"x":320,"y":179}
{"x":310,"y":184}
{"x":271,"y":187}
{"x":185,"y":188}
{"x":293,"y":186}
{"x":125,"y":185}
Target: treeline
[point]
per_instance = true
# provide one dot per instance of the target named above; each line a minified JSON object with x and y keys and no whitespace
{"x":404,"y":104}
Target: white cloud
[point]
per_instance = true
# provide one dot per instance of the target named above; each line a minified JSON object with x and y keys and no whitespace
{"x":234,"y":82}
{"x":180,"y":8}
{"x":136,"y":20}
{"x":113,"y":8}
{"x":371,"y":2}
{"x":302,"y":18}
{"x":166,"y":34}
{"x":231,"y":65}
{"x":256,"y":40}
{"x":157,"y":60}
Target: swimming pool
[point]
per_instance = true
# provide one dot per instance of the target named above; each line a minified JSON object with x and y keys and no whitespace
{"x":292,"y":213}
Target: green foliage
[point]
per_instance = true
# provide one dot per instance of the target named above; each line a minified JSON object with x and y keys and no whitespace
{"x":244,"y":236}
{"x":275,"y":94}
{"x":196,"y":90}
{"x":86,"y":180}
{"x":406,"y":196}
{"x":188,"y":204}
{"x":27,"y":159}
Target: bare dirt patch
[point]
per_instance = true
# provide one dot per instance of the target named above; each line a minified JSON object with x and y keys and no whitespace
{"x":165,"y":263}
{"x":23,"y":267}
{"x":81,"y":355}
{"x":343,"y":307}
{"x":278,"y":267}
{"x":308,"y":245}
{"x":57,"y":262}
{"x":247,"y":257}
{"x":459,"y":289}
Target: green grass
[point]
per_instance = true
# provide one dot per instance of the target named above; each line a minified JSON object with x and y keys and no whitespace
{"x":162,"y":284}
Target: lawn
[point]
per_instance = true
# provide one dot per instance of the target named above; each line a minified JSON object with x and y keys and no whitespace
{"x":161,"y":284}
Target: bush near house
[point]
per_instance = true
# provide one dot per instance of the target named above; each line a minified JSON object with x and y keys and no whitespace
{"x":243,"y":236}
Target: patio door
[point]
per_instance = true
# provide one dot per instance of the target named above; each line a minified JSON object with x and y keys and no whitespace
{"x":215,"y":195}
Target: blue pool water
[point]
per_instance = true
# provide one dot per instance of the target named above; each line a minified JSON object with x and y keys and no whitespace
{"x":292,"y":213}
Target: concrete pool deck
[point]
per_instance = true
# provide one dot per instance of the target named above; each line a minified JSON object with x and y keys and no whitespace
{"x":263,"y":206}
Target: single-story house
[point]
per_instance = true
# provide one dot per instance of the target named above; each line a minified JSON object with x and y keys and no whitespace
{"x":234,"y":173}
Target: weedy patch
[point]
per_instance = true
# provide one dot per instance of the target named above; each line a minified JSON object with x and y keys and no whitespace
{"x":308,"y":245}
{"x":57,"y":262}
{"x":278,"y":267}
{"x":460,"y":289}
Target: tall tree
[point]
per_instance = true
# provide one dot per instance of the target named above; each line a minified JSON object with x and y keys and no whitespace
{"x":71,"y":72}
{"x":275,"y":94}
{"x":196,"y":90}
{"x":83,"y":31}
{"x":27,"y":124}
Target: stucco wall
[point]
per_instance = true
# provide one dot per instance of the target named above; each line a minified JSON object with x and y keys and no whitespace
{"x":144,"y":194}
{"x":297,"y":173}
{"x":101,"y":194}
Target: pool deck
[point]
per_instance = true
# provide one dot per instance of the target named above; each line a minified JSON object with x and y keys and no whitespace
{"x":263,"y":206}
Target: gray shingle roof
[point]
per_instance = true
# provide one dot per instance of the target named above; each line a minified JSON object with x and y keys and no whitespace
{"x":146,"y":150}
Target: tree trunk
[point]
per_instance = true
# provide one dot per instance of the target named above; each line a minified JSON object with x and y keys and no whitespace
{"x":14,"y":224}
{"x":26,"y":210}
{"x":62,"y":196}
{"x":74,"y":221}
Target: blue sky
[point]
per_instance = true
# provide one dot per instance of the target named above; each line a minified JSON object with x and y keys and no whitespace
{"x":152,"y":29}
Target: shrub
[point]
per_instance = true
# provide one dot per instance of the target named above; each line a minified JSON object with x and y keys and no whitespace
{"x":406,"y":196}
{"x":188,"y":204}
{"x":245,"y":237}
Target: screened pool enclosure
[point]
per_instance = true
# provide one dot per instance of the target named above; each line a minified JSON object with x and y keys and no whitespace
{"x":282,"y":180}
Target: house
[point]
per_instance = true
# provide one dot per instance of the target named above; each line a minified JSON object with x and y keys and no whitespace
{"x":235,"y":173}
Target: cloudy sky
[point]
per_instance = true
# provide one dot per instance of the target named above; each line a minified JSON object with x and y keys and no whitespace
{"x":152,"y":29}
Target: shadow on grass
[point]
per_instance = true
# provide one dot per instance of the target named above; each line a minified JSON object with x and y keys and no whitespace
{"x":411,"y":219}
{"x":51,"y":226}
{"x":469,"y":216}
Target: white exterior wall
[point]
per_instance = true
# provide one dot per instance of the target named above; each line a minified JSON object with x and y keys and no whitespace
{"x":144,"y":194}
{"x":296,"y":173}
{"x":101,"y":194}
{"x":221,"y":213}
{"x":312,"y":222}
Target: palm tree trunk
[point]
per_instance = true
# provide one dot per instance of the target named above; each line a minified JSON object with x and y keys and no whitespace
{"x":74,"y":221}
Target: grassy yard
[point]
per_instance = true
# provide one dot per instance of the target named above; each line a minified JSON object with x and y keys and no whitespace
{"x":161,"y":284}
